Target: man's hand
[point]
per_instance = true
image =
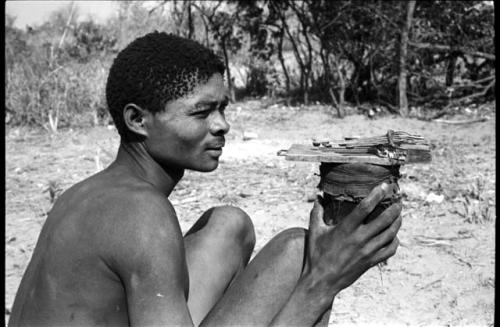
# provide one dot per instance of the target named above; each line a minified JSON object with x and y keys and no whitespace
{"x":338,"y":255}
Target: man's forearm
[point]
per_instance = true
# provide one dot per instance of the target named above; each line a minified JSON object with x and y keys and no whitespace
{"x":307,"y":303}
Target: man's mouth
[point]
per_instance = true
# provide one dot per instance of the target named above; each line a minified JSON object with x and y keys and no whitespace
{"x":216,"y":145}
{"x":214,"y":152}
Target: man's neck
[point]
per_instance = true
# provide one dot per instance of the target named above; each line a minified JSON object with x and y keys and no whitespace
{"x":135,"y":157}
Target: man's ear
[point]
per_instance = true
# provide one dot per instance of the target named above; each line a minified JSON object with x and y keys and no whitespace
{"x":135,"y":119}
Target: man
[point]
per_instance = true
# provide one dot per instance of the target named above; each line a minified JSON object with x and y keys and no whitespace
{"x":111,"y":251}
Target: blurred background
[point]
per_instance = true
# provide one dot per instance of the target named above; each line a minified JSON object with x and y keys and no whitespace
{"x":413,"y":58}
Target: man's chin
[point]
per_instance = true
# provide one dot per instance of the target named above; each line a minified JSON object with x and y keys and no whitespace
{"x":206,"y":167}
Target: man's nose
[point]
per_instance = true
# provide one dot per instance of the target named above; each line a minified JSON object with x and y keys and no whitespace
{"x":218,"y":124}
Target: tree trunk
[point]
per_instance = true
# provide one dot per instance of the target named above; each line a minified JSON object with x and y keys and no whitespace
{"x":207,"y":30}
{"x":298,"y":57}
{"x":190,"y":20}
{"x":61,"y":41}
{"x":295,"y":51}
{"x":308,"y":65}
{"x":327,"y":77}
{"x":355,"y":82}
{"x":204,"y":17}
{"x":228,"y":70}
{"x":450,"y":70}
{"x":341,"y":100}
{"x":403,"y":53}
{"x":122,"y":16}
{"x":282,"y":61}
{"x":177,"y":16}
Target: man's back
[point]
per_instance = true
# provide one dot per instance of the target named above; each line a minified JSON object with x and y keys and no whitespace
{"x":70,"y":279}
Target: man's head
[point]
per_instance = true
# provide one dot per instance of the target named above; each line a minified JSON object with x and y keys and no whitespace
{"x":168,"y":93}
{"x":154,"y":70}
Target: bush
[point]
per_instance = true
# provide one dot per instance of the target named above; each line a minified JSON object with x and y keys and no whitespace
{"x":53,"y":87}
{"x":67,"y":95}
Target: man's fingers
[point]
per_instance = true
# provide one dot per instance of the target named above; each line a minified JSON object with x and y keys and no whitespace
{"x":386,"y":237}
{"x":384,"y":220}
{"x":385,"y":252}
{"x":367,"y":205}
{"x":317,"y":213}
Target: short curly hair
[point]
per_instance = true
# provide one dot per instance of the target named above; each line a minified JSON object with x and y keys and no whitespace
{"x":155,"y":69}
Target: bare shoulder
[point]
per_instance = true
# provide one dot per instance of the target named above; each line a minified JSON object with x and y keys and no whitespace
{"x":121,"y":218}
{"x":148,"y":216}
{"x":139,"y":211}
{"x":140,"y":228}
{"x":126,"y":199}
{"x":145,"y":202}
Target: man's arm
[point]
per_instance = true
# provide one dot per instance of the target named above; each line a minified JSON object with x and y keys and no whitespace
{"x":148,"y":255}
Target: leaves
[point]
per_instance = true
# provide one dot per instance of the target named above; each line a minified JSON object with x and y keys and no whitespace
{"x":333,"y":52}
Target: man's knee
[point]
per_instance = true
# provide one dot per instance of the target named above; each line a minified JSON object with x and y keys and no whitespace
{"x":233,"y":223}
{"x":292,"y":242}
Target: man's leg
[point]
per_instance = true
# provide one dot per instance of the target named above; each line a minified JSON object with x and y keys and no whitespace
{"x":218,"y":247}
{"x":258,"y":293}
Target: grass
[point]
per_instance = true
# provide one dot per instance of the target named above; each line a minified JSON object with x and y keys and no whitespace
{"x":55,"y":96}
{"x":475,"y":202}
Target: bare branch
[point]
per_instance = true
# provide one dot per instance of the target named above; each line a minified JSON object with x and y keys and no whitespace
{"x":447,"y":48}
{"x":156,"y":7}
{"x":67,"y":25}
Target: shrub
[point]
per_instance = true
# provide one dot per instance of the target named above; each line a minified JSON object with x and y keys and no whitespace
{"x":68,"y":95}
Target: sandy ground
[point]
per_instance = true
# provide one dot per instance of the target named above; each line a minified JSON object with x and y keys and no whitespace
{"x":442,"y":274}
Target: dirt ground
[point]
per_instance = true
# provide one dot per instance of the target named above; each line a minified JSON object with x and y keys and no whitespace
{"x":442,"y":274}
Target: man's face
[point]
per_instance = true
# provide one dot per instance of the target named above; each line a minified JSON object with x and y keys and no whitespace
{"x":189,"y":133}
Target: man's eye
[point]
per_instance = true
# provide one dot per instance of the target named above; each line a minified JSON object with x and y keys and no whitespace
{"x":203,"y":113}
{"x":206,"y":109}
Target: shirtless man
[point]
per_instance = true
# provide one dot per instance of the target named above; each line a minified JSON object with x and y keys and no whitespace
{"x":111,"y":251}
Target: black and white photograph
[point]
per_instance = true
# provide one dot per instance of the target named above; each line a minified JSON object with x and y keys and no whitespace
{"x":250,"y":163}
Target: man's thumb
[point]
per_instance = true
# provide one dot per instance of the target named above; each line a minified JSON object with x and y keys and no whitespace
{"x":317,"y":213}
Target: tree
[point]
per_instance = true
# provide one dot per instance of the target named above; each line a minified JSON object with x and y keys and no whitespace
{"x":221,"y":25}
{"x":91,"y":39}
{"x":256,"y":25}
{"x":445,"y":33}
{"x":403,"y":52}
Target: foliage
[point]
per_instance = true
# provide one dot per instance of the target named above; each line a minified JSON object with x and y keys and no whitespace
{"x":52,"y":87}
{"x":252,"y":21}
{"x":91,"y":40}
{"x":336,"y":52}
{"x":453,"y":37}
{"x":58,"y":97}
{"x":476,"y":205}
